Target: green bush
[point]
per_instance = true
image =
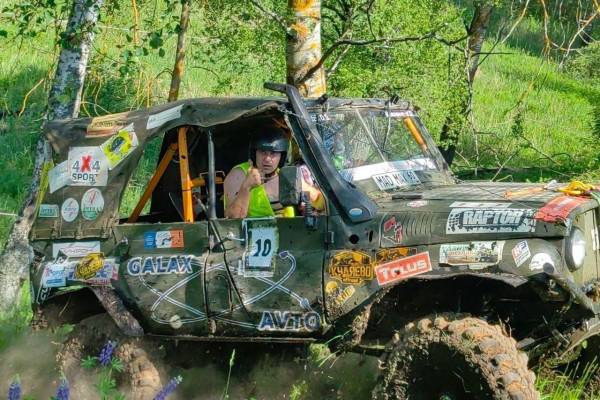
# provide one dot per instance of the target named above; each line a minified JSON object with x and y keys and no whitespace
{"x":586,"y":64}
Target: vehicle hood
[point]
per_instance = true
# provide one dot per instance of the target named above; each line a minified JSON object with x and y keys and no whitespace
{"x":477,"y":211}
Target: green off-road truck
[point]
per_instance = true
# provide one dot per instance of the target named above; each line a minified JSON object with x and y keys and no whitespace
{"x":450,"y":283}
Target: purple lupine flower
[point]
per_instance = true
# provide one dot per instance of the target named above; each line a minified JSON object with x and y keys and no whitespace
{"x":62,"y":393}
{"x":14,"y":390}
{"x":106,"y":353}
{"x":169,"y":388}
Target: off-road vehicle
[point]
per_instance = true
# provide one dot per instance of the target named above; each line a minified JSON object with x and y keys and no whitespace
{"x":450,"y":283}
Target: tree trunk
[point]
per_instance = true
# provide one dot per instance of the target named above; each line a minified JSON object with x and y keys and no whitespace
{"x":457,"y":118}
{"x":303,"y":47}
{"x":180,"y":53}
{"x":64,"y":101}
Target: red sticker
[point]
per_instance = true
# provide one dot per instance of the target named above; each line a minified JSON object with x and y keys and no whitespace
{"x":559,"y":208}
{"x":403,"y":268}
{"x":389,"y":224}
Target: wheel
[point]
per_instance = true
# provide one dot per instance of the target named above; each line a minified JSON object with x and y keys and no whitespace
{"x":454,"y":357}
{"x":140,"y":377}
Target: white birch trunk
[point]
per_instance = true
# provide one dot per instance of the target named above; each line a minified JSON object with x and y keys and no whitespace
{"x":64,"y":101}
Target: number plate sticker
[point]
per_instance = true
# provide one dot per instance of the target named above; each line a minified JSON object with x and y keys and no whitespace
{"x":395,"y":180}
{"x":262,"y":244}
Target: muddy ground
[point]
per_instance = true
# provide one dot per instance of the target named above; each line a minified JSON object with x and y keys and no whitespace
{"x":257,"y":372}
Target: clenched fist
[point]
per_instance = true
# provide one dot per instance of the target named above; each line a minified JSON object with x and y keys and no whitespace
{"x":253,"y":178}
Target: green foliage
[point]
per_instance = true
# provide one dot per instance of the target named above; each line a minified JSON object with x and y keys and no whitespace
{"x":586,"y":63}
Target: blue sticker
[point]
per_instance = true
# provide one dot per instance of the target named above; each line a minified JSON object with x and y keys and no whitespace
{"x":149,"y":240}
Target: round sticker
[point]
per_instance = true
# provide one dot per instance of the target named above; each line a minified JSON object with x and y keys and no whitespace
{"x":92,"y":204}
{"x":69,"y":209}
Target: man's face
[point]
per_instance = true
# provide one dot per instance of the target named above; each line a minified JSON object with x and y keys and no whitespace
{"x":267,"y":161}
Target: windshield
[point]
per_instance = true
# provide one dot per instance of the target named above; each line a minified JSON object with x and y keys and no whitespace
{"x":379,"y":150}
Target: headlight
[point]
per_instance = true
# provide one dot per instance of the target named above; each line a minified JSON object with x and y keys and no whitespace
{"x":575,"y":249}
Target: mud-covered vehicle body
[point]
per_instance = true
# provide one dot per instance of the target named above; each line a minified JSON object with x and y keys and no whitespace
{"x":404,"y":256}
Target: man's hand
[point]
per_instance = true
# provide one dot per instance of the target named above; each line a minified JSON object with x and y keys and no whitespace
{"x":253,"y":179}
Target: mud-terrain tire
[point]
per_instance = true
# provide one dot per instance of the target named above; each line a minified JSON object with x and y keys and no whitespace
{"x":139,"y":356}
{"x":454,"y":357}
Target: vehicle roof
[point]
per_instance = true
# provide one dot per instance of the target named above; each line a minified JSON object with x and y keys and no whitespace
{"x":204,"y":112}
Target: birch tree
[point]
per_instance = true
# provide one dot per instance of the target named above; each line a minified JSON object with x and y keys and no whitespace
{"x":177,"y":74}
{"x":64,"y":100}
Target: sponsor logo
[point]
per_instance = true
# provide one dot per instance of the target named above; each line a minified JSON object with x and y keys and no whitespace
{"x":163,"y":239}
{"x":385,"y":255}
{"x":559,"y":208}
{"x":69,"y":209}
{"x":48,"y":211}
{"x":541,"y":261}
{"x":339,"y":295}
{"x":118,"y":147}
{"x":403,"y":268}
{"x":392,"y":230}
{"x":521,"y":253}
{"x":87,"y":166}
{"x":472,"y":220}
{"x":106,"y":125}
{"x":351,"y":267}
{"x":160,"y":265}
{"x":289,"y":321}
{"x":474,"y":254}
{"x":75,"y":249}
{"x":396,"y":179}
{"x":92,"y":204}
{"x":54,"y":276}
{"x":89,"y":266}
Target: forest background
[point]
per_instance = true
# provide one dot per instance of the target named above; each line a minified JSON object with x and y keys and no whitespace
{"x":529,"y":110}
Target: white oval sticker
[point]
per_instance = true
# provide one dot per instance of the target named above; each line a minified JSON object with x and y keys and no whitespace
{"x":92,"y":204}
{"x":69,"y":209}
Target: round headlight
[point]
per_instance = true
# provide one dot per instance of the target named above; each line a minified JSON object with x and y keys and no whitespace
{"x":576,"y":249}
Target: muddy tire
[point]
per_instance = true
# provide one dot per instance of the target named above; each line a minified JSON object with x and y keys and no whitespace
{"x":454,"y":357}
{"x":140,"y":378}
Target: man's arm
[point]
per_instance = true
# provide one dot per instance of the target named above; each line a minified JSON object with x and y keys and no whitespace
{"x":237,"y":188}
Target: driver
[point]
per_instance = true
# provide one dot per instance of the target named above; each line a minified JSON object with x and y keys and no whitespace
{"x":252,"y":187}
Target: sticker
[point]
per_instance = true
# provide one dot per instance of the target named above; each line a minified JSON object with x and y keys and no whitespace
{"x":160,"y":265}
{"x":48,"y":211}
{"x":157,"y":120}
{"x":417,"y":203}
{"x":58,"y":176}
{"x":54,"y":276}
{"x":163,"y":239}
{"x":289,"y":321}
{"x":87,"y":166}
{"x":403,"y":268}
{"x":339,"y":294}
{"x":367,"y":171}
{"x":75,"y":249}
{"x":118,"y":147}
{"x":102,"y":277}
{"x":476,"y":255}
{"x":385,"y":255}
{"x":493,"y":220}
{"x":92,"y":204}
{"x":89,"y":266}
{"x":69,"y":209}
{"x":521,"y":253}
{"x":175,"y":321}
{"x":46,"y":167}
{"x":392,"y":230}
{"x":107,"y":125}
{"x":474,"y":204}
{"x":262,"y":244}
{"x":351,"y":267}
{"x":395,"y":180}
{"x":539,"y":261}
{"x":559,"y":208}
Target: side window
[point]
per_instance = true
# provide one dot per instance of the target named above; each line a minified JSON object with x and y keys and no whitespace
{"x":139,"y":180}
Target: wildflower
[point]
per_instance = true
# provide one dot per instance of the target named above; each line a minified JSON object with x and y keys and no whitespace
{"x":169,"y":388}
{"x":106,"y":353}
{"x":14,"y":390}
{"x":62,"y":393}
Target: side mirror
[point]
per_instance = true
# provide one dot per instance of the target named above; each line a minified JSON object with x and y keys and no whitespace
{"x":290,"y":186}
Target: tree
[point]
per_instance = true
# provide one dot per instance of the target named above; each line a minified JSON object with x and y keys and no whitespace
{"x":180,"y":52}
{"x":64,"y":101}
